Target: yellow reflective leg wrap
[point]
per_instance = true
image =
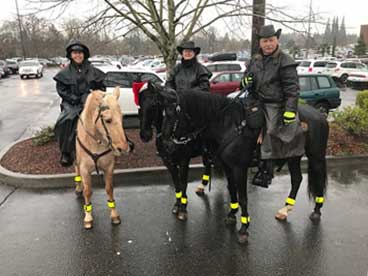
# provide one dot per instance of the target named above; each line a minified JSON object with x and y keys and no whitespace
{"x":320,"y":199}
{"x":206,"y":177}
{"x":77,"y":178}
{"x":245,"y":220}
{"x":290,"y":201}
{"x":178,"y":195}
{"x":234,"y":205}
{"x":111,"y":204}
{"x":88,"y":208}
{"x":184,"y":200}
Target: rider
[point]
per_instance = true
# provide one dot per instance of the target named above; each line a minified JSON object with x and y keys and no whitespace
{"x":73,"y":85}
{"x":272,"y":77}
{"x":189,"y":73}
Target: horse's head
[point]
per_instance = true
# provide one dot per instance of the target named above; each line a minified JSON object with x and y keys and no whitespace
{"x":108,"y":121}
{"x":150,"y":109}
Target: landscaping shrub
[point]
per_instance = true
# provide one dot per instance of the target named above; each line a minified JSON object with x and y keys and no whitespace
{"x":43,"y":136}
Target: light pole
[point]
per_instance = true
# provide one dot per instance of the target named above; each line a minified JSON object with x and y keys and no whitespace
{"x":20,"y":30}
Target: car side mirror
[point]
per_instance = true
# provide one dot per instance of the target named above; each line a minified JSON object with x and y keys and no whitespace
{"x":118,"y":66}
{"x":214,"y":82}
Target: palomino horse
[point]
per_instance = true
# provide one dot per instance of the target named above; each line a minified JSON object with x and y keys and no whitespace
{"x":223,"y":125}
{"x":100,"y":137}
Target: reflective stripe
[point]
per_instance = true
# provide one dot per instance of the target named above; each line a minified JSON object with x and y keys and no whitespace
{"x":290,"y":201}
{"x":77,"y":178}
{"x":289,"y":114}
{"x":205,"y":177}
{"x":320,"y":199}
{"x":178,"y":195}
{"x":184,"y":200}
{"x":234,"y":205}
{"x":245,"y":220}
{"x":111,"y":204}
{"x":88,"y":208}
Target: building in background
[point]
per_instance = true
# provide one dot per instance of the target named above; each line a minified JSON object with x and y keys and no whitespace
{"x":364,"y":33}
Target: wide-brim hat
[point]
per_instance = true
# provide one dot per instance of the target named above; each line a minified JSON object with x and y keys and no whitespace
{"x":76,"y":45}
{"x":268,"y":31}
{"x":188,"y":45}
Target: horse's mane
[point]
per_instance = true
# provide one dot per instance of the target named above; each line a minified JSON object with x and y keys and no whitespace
{"x":203,"y":106}
{"x":93,"y":100}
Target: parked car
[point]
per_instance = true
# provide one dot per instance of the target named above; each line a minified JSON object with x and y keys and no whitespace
{"x":221,"y":66}
{"x":2,"y":73}
{"x":358,"y":79}
{"x":13,"y":66}
{"x":340,"y":70}
{"x":29,"y":68}
{"x":5,"y":68}
{"x":311,"y":66}
{"x":225,"y":83}
{"x":125,"y":78}
{"x":319,"y":91}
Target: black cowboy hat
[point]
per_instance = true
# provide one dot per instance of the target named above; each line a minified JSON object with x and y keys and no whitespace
{"x":268,"y":31}
{"x":75,"y":45}
{"x":188,"y":45}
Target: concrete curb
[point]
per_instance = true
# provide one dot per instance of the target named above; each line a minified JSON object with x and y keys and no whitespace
{"x":129,"y":177}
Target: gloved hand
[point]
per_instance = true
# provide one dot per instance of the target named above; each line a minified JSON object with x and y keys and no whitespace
{"x":247,"y":81}
{"x":289,"y":117}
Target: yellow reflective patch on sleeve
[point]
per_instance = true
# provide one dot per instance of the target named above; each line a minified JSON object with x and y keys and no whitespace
{"x":184,"y":200}
{"x":290,"y":201}
{"x":87,"y":208}
{"x":178,"y":195}
{"x":205,"y":177}
{"x":320,"y":199}
{"x":245,"y":220}
{"x":111,"y":204}
{"x":78,"y":178}
{"x":234,"y":205}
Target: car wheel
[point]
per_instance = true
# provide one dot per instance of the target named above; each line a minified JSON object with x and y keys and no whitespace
{"x":41,"y":75}
{"x":344,"y":78}
{"x":323,"y":108}
{"x":21,"y":76}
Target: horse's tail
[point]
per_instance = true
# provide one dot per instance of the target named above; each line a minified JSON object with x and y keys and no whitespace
{"x":316,"y":146}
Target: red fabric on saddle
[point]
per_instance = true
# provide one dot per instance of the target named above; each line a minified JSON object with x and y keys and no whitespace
{"x":136,"y":87}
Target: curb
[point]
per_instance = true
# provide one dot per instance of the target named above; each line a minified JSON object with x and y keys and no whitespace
{"x":130,"y":177}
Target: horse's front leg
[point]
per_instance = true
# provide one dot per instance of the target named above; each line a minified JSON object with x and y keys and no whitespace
{"x":174,"y":172}
{"x":115,"y":218}
{"x":296,"y":178}
{"x":87,"y":193}
{"x":78,"y":183}
{"x":234,"y":204}
{"x":240,"y":176}
{"x":183,"y":177}
{"x":206,"y":177}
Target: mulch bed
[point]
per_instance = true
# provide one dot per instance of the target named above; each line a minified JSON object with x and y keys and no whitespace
{"x":26,"y":158}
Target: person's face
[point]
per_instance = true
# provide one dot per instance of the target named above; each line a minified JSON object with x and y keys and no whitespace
{"x":188,"y":54}
{"x":77,"y":57}
{"x":268,"y":44}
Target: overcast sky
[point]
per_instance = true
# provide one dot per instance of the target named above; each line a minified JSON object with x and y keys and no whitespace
{"x":355,"y":11}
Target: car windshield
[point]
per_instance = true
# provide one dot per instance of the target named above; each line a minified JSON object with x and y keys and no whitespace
{"x":29,"y":63}
{"x":304,"y":64}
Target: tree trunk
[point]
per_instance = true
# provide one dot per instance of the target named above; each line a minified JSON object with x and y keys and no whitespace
{"x":259,"y":8}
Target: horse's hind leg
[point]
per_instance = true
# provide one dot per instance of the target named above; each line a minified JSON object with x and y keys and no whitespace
{"x":206,"y":177}
{"x":296,"y":179}
{"x":115,"y":218}
{"x":240,"y":176}
{"x":87,"y":193}
{"x":78,"y":183}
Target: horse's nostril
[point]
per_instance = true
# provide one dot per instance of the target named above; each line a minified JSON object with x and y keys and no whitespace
{"x":120,"y":149}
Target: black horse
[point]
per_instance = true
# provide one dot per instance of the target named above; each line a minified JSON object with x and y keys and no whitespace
{"x":176,"y":154}
{"x":222,"y":124}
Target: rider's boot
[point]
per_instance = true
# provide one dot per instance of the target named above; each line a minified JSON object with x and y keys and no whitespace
{"x":263,"y":177}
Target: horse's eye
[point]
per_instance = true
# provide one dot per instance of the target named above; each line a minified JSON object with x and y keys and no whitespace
{"x":108,"y":121}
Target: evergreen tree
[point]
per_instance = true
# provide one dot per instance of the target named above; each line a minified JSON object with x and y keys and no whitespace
{"x":327,"y":35}
{"x":360,"y":48}
{"x":342,"y":41}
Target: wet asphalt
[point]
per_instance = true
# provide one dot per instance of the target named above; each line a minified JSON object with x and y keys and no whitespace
{"x":41,"y":233}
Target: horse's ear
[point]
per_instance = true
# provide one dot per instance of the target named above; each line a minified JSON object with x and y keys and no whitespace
{"x":116,"y":92}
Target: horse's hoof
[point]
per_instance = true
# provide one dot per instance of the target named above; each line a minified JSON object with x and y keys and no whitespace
{"x":182,"y":216}
{"x":315,"y":217}
{"x":115,"y":220}
{"x":281,"y":217}
{"x":79,"y":194}
{"x":230,"y":220}
{"x":175,"y":209}
{"x":243,"y":238}
{"x":199,"y":192}
{"x":88,"y":225}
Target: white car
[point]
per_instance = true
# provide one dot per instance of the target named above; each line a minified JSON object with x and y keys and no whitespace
{"x":340,"y":70}
{"x":29,"y":68}
{"x":125,"y":78}
{"x":312,"y":66}
{"x":220,"y":66}
{"x":358,"y":79}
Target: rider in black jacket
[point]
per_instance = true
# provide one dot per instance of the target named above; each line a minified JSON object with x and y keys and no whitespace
{"x":189,"y":73}
{"x":73,"y":85}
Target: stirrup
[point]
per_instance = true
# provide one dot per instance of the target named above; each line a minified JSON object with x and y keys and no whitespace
{"x":262,"y":179}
